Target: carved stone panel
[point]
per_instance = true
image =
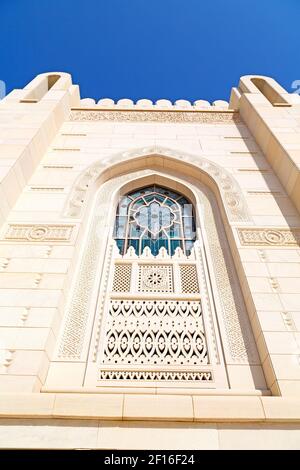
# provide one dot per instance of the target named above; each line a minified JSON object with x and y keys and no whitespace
{"x":269,"y":237}
{"x":155,"y":278}
{"x":162,"y":332}
{"x":122,"y":278}
{"x":189,"y":278}
{"x":38,"y":233}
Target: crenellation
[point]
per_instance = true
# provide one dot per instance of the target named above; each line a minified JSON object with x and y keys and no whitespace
{"x":145,"y":103}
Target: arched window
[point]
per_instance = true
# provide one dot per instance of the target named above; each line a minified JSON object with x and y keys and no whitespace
{"x":154,"y":217}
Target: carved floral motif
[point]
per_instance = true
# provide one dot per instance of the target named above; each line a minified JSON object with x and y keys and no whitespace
{"x":155,"y":278}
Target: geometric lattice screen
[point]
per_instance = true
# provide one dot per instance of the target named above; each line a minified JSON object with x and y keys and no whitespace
{"x":153,"y":327}
{"x":155,"y":332}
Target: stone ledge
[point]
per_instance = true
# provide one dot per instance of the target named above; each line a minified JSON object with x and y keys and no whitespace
{"x":158,"y":407}
{"x":29,"y":405}
{"x":108,"y":406}
{"x":281,"y":409}
{"x":127,"y":407}
{"x":228,"y":409}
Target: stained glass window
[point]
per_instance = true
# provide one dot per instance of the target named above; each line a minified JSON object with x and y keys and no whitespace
{"x":155,"y":217}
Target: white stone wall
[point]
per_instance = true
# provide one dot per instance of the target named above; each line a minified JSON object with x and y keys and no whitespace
{"x":43,"y":153}
{"x":134,"y":435}
{"x":34,"y":275}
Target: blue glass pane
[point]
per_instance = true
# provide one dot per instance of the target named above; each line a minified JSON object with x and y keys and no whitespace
{"x":142,"y":217}
{"x":170,"y":203}
{"x":120,"y":227}
{"x":163,"y":243}
{"x":174,"y":231}
{"x":137,"y":204}
{"x":152,"y":236}
{"x":188,"y":227}
{"x":134,"y":230}
{"x":161,"y":190}
{"x":154,"y":197}
{"x":142,"y":192}
{"x":175,"y":244}
{"x":188,"y":246}
{"x":154,"y":245}
{"x":156,"y":217}
{"x":150,"y":189}
{"x":120,"y":245}
{"x":135,"y":244}
{"x":137,"y":194}
{"x":182,"y":201}
{"x":167,"y":192}
{"x":145,"y":242}
{"x":188,"y":210}
{"x":164,"y":234}
{"x":167,"y":216}
{"x":123,"y":206}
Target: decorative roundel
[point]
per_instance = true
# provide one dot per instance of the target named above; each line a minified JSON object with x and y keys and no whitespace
{"x":274,"y":237}
{"x":37,"y":233}
{"x":154,"y":279}
{"x":226,"y":186}
{"x":232,"y":202}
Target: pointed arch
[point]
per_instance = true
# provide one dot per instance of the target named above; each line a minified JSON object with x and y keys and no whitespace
{"x":238,"y":343}
{"x":228,"y":192}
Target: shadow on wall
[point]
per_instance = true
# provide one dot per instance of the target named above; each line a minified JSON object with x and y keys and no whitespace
{"x":286,"y":208}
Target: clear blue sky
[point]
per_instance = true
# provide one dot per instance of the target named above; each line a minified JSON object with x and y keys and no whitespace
{"x":192,"y":49}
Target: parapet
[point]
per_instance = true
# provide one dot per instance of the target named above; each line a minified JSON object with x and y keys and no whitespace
{"x":108,"y":103}
{"x":51,"y":86}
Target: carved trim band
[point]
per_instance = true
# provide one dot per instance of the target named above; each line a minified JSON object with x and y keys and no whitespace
{"x":38,"y":233}
{"x":137,"y":375}
{"x":155,"y":116}
{"x":269,"y":237}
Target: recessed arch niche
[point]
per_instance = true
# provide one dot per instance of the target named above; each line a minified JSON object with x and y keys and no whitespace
{"x":82,"y":331}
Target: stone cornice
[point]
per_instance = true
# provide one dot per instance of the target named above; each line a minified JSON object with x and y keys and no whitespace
{"x":123,"y":407}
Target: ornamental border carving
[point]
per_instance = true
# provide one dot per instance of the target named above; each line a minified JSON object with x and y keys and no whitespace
{"x":237,"y":337}
{"x":269,"y":237}
{"x":38,"y":232}
{"x":71,"y":342}
{"x":213,"y":117}
{"x":230,"y":190}
{"x":144,"y":376}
